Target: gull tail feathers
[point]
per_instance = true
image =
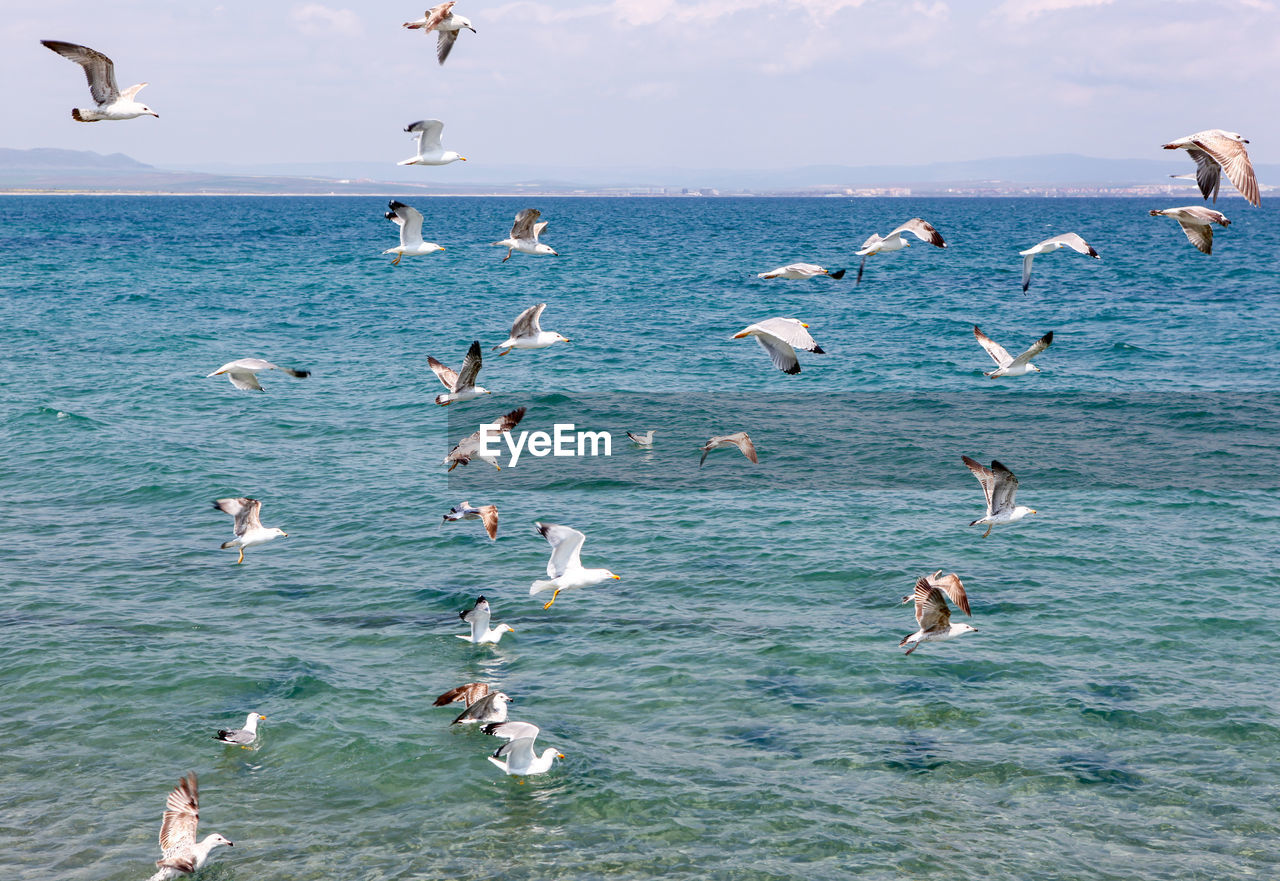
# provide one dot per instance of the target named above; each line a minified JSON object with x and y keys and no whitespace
{"x":539,"y":586}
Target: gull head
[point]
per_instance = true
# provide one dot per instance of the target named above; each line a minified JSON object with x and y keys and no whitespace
{"x":544,"y":249}
{"x":147,"y":111}
{"x":481,"y":390}
{"x":463,"y":22}
{"x":562,"y":339}
{"x":505,"y":628}
{"x":215,"y":839}
{"x":276,"y":530}
{"x":967,"y":628}
{"x":1035,"y":368}
{"x":611,"y":575}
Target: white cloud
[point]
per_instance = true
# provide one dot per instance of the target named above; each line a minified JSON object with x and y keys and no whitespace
{"x":1026,"y":10}
{"x":316,"y":20}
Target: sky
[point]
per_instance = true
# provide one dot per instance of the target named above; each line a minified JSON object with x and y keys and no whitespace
{"x":653,"y":83}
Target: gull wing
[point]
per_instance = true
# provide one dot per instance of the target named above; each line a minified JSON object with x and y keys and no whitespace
{"x":1026,"y":271}
{"x":1036,"y":348}
{"x":953,"y":588}
{"x":1004,"y":489}
{"x":1234,"y":159}
{"x":998,"y":353}
{"x":1208,"y":173}
{"x":437,"y":14}
{"x":409,"y":220}
{"x":523,"y":226}
{"x":923,"y":230}
{"x":446,"y":375}
{"x":478,"y":708}
{"x":477,"y":616}
{"x":1200,"y":236}
{"x":791,"y":331}
{"x":739,"y":439}
{"x":470,"y":368}
{"x":512,"y":730}
{"x":782,"y":355}
{"x":874,"y":239}
{"x":467,"y":694}
{"x":489,"y":517}
{"x":508,"y":422}
{"x":181,"y":818}
{"x":244,"y":510}
{"x":1074,"y":242}
{"x":985,"y":477}
{"x":539,"y":229}
{"x":566,"y":545}
{"x":98,"y":69}
{"x":528,"y":323}
{"x":444,"y":44}
{"x":429,"y":132}
{"x":932,"y":611}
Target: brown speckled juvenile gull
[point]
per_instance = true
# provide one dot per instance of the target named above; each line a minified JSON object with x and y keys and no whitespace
{"x":182,"y":854}
{"x":1215,"y":151}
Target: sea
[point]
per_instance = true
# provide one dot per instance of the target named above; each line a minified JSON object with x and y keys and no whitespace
{"x":737,"y":706}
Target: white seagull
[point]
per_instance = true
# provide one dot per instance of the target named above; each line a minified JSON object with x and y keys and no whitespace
{"x":410,"y":222}
{"x":1006,"y":364}
{"x":524,"y":236}
{"x":739,"y":439}
{"x":565,"y":569}
{"x":999,"y":486}
{"x":242,"y":737}
{"x":478,"y":617}
{"x":1197,"y":222}
{"x":800,"y":271}
{"x":1215,"y":151}
{"x":780,"y":337}
{"x":487,"y":513}
{"x":430,"y":150}
{"x":470,"y":447}
{"x":933,"y":615}
{"x":894,"y":241}
{"x":445,"y":23}
{"x":248,"y":528}
{"x":518,"y":751}
{"x":243,"y":372}
{"x":182,"y":854}
{"x":641,"y":440}
{"x":461,"y":385}
{"x":109,"y":101}
{"x":490,"y":708}
{"x":527,"y":332}
{"x":1048,"y":246}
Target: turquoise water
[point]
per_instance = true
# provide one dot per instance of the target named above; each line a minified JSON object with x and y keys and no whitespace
{"x":736,"y":707}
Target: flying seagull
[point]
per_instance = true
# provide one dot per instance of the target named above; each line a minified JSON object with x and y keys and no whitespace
{"x":1215,"y":151}
{"x":1006,"y":364}
{"x":524,"y":236}
{"x":1197,"y":222}
{"x":181,"y":853}
{"x":780,"y":337}
{"x":518,"y":750}
{"x":487,"y":513}
{"x":109,"y":101}
{"x":800,"y":271}
{"x":933,"y":615}
{"x":464,"y":694}
{"x":445,"y":23}
{"x":430,"y":150}
{"x":999,"y":486}
{"x":641,"y":440}
{"x":1048,"y":246}
{"x":738,"y":439}
{"x":461,"y":385}
{"x":410,"y":222}
{"x":894,"y":241}
{"x":565,"y":569}
{"x":478,"y":617}
{"x":490,"y":708}
{"x":248,"y":528}
{"x":948,"y":584}
{"x":470,"y":447}
{"x":242,"y":737}
{"x":527,"y":332}
{"x":243,"y":373}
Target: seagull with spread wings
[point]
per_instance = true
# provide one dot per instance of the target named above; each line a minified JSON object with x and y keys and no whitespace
{"x":933,"y":615}
{"x":524,"y":236}
{"x":739,"y":439}
{"x":800,"y":272}
{"x":1048,"y":246}
{"x":951,"y":585}
{"x":896,"y":241}
{"x":409,"y":220}
{"x":470,"y":446}
{"x":490,"y":708}
{"x":565,"y":570}
{"x":461,"y":385}
{"x":430,"y":150}
{"x":486,"y":513}
{"x":243,"y":373}
{"x":478,"y":617}
{"x":446,"y":23}
{"x":1006,"y":364}
{"x":527,"y":332}
{"x":518,"y":751}
{"x":999,"y":486}
{"x":248,"y":528}
{"x":780,"y":337}
{"x":1214,"y":152}
{"x":1197,"y":222}
{"x":109,"y":101}
{"x":181,"y":853}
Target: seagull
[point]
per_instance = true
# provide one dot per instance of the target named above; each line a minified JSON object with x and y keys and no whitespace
{"x":894,"y":241}
{"x":934,"y":616}
{"x":524,"y":236}
{"x":527,"y":332}
{"x":999,"y":486}
{"x":564,"y":569}
{"x":738,"y":439}
{"x":470,"y":447}
{"x":109,"y":101}
{"x":430,"y":150}
{"x":464,"y":694}
{"x":800,"y":271}
{"x":487,"y":513}
{"x":518,"y":750}
{"x":242,"y":737}
{"x":948,"y":584}
{"x":780,"y":337}
{"x":1215,"y":151}
{"x":243,"y":373}
{"x":1197,"y":222}
{"x":182,"y":854}
{"x":1048,"y":246}
{"x":461,"y":385}
{"x":445,"y":23}
{"x":248,"y":528}
{"x":490,"y":708}
{"x":410,"y":222}
{"x":642,"y":440}
{"x":478,"y":617}
{"x":1006,"y":365}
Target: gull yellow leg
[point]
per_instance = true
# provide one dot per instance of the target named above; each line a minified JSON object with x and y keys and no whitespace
{"x":988,"y":532}
{"x":553,"y":599}
{"x":396,"y":262}
{"x":241,"y":560}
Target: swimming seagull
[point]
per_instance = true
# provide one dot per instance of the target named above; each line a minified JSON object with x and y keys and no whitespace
{"x":518,"y":750}
{"x":242,"y":737}
{"x":565,"y":569}
{"x":780,"y":337}
{"x":248,"y":528}
{"x":1006,"y":364}
{"x":478,"y":617}
{"x":430,"y":150}
{"x":487,"y":513}
{"x":894,"y":241}
{"x":464,"y":694}
{"x":490,"y":708}
{"x":800,"y":271}
{"x":1215,"y":151}
{"x":461,"y":385}
{"x":109,"y":101}
{"x":445,"y":23}
{"x":934,"y":616}
{"x":948,"y":584}
{"x":181,"y":853}
{"x":1048,"y":246}
{"x":999,"y":486}
{"x":642,"y":440}
{"x":470,"y":448}
{"x":1197,"y":222}
{"x":243,"y":373}
{"x":524,"y":236}
{"x":410,"y":222}
{"x":738,"y":439}
{"x":527,"y":332}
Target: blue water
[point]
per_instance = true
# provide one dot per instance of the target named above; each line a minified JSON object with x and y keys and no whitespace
{"x":735,"y":707}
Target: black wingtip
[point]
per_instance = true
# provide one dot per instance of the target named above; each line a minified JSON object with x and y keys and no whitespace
{"x":1048,"y":337}
{"x":838,"y":274}
{"x":792,"y":370}
{"x":817,"y":350}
